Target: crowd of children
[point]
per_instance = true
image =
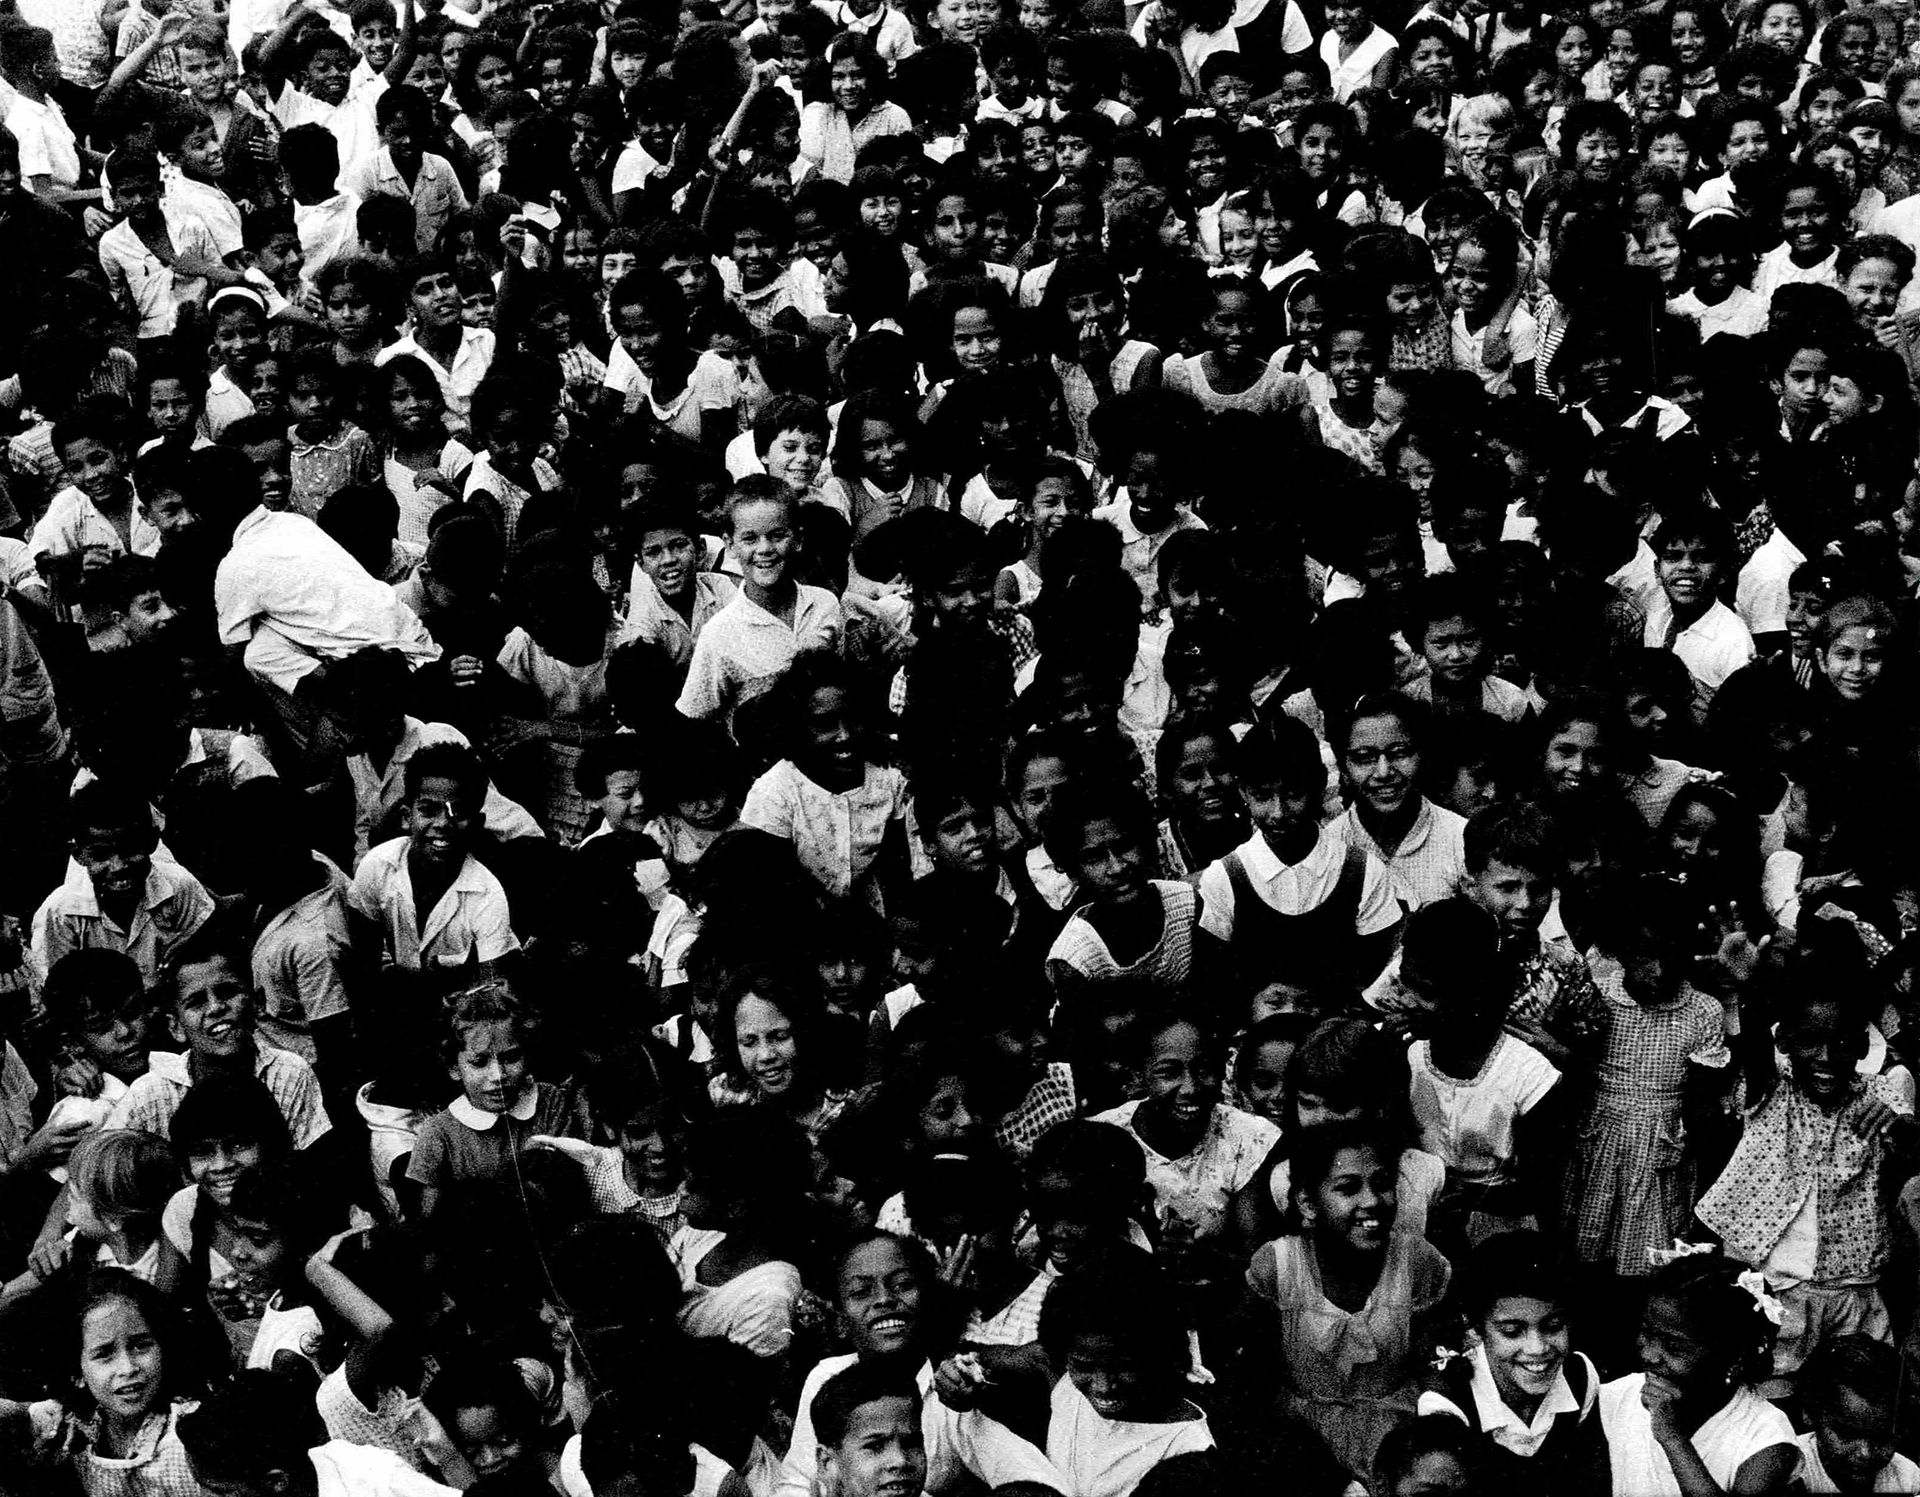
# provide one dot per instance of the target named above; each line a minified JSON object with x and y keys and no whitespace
{"x":795,"y":748}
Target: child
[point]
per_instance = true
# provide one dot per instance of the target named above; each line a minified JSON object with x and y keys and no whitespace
{"x":1293,"y":887}
{"x":1358,"y":54}
{"x":1135,"y":929}
{"x":117,"y":894}
{"x":790,"y":439}
{"x":752,"y":640}
{"x":654,"y":364}
{"x":266,"y":1232}
{"x":1800,"y":1200}
{"x":475,"y":1139}
{"x":1692,"y":547}
{"x":1149,"y":505}
{"x":1058,"y":495}
{"x":131,"y":1382}
{"x":1231,"y":374}
{"x":1349,"y":1302}
{"x":431,"y":868}
{"x":328,"y":221}
{"x":1483,"y":1100}
{"x":418,"y":460}
{"x":757,"y":278}
{"x":1200,"y":1151}
{"x":833,"y":131}
{"x":1418,"y":843}
{"x":156,"y":261}
{"x":329,"y":452}
{"x":1692,"y":1410}
{"x":1485,"y":263}
{"x":459,"y":356}
{"x":118,"y":1183}
{"x":1664,"y":1063}
{"x":670,"y":601}
{"x":1450,"y":627}
{"x":876,"y":462}
{"x":1849,"y":1399}
{"x":845,"y":815}
{"x":1353,"y":347}
{"x":1522,"y":1389}
{"x":1085,"y":308}
{"x":404,"y":168}
{"x":1718,"y":255}
{"x":1811,"y":217}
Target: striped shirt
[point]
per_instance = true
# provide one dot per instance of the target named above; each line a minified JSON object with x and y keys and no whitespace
{"x":154,"y":1098}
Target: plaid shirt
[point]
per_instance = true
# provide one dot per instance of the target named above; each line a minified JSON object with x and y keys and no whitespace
{"x":154,"y":1098}
{"x":1015,"y":629}
{"x":1049,"y":1102}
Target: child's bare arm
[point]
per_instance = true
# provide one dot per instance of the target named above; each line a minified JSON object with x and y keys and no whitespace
{"x":404,"y":49}
{"x":136,"y":62}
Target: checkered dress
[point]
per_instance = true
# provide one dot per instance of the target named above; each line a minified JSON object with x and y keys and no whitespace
{"x":1630,"y":1187}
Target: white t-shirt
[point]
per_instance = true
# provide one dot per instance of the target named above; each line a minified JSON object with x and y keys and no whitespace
{"x":1469,"y":1122}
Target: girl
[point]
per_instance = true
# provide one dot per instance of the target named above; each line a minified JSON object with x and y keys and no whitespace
{"x":1354,"y":351}
{"x":1260,"y":1067}
{"x":483,"y":77}
{"x":1325,"y":137}
{"x":1812,"y":219}
{"x":1874,"y":271}
{"x":1134,"y":928}
{"x":1231,"y":375}
{"x":1357,"y":53}
{"x":743,"y":1201}
{"x":329,"y":451}
{"x":1665,"y":1058}
{"x":1201,"y":1152}
{"x":1085,"y":308}
{"x":1305,"y":307}
{"x":1481,"y":278}
{"x":696,"y":796}
{"x":1577,"y":759}
{"x":267,"y":1232}
{"x":1203,"y":142}
{"x":1697,"y":34}
{"x":476,"y":1138}
{"x":1421,"y":845}
{"x":118,"y":1437}
{"x":876,"y":462}
{"x":1537,"y":1426}
{"x":1689,"y":1424}
{"x":1241,"y":254}
{"x":844,"y":814}
{"x":1058,"y":496}
{"x":1204,"y":817}
{"x":1717,"y":257}
{"x":832,"y":132}
{"x":769,"y":1040}
{"x":1656,"y":245}
{"x":1349,"y":1301}
{"x":1071,"y":223}
{"x":420,"y":463}
{"x":1572,"y":45}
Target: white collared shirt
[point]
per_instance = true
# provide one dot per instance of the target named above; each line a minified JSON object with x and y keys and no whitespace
{"x":1138,"y":550}
{"x":173,"y":905}
{"x":481,"y":1121}
{"x":652,"y":618}
{"x":1294,"y":889}
{"x":73,"y":522}
{"x":744,"y":650}
{"x":1429,"y":865}
{"x":1500,"y":1423}
{"x":436,"y":193}
{"x":1712,"y":647}
{"x":376,"y":792}
{"x":152,"y":288}
{"x":470,"y":922}
{"x":1762,"y":594}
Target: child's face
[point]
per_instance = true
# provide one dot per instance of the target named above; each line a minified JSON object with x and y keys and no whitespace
{"x":1155,"y":489}
{"x":879,"y":1294}
{"x":200,"y":154}
{"x":1516,"y":897}
{"x":1873,"y":290}
{"x":1597,"y":155}
{"x":1853,"y":47}
{"x":441,"y":820}
{"x":1907,"y":107}
{"x":1658,"y":249}
{"x":794,"y":456}
{"x":491,"y":1065}
{"x":261,"y":1257}
{"x":427,"y":73}
{"x":1230,"y":94}
{"x":557,"y":84}
{"x":1039,"y":785}
{"x":1113,"y":1377}
{"x":1847,"y":400}
{"x":882,"y":213}
{"x":709,"y":811}
{"x":311,"y":398}
{"x":1855,"y":660}
{"x":1285,"y":814}
{"x":1201,"y":785}
{"x":1573,"y":53}
{"x":1041,"y":17}
{"x":977,"y":344}
{"x":1805,"y":609}
{"x":1822,"y":110}
{"x":1182,"y":1081}
{"x":1576,"y":760}
{"x":120,"y":1361}
{"x":651,"y":1150}
{"x":1806,"y":220}
{"x":170,"y":406}
{"x":1872,"y":142}
{"x":626,"y":68}
{"x":829,"y":734}
{"x":491,"y":1443}
{"x":765,"y":1040}
{"x":1747,"y":140}
{"x":1239,"y":243}
{"x":1455,"y":649}
{"x":1382,"y":764}
{"x":476,"y":307}
{"x":999,"y":235}
{"x":963,"y":599}
{"x":213,"y":1009}
{"x":1672,"y":152}
{"x":1527,"y":1342}
{"x":667,"y":556}
{"x":1475,"y":279}
{"x":960,"y":20}
{"x":884,"y":1450}
{"x":272,"y":466}
{"x":1782,"y":26}
{"x":623,"y":804}
{"x":207,"y":79}
{"x":1351,"y":365}
{"x":282,"y":259}
{"x":116,"y":859}
{"x":1432,"y":60}
{"x":147,"y":617}
{"x":1356,"y":1204}
{"x":1296,"y":91}
{"x":850,"y":86}
{"x":763,"y":541}
{"x":1036,"y":152}
{"x":1673,"y":1353}
{"x":1855,"y":1437}
{"x":214,"y":1164}
{"x":954,"y":234}
{"x":328,"y":74}
{"x":374,"y":36}
{"x":1656,"y":90}
{"x":435,"y":300}
{"x":1349,"y":20}
{"x":1111,"y":865}
{"x":1803,"y":385}
{"x":1074,"y":153}
{"x":1263,"y":1079}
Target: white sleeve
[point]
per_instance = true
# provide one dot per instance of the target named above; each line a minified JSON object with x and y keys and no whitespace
{"x":1295,"y":34}
{"x":765,"y":808}
{"x":1379,"y":910}
{"x":1761,"y":595}
{"x":1216,"y":902}
{"x":987,"y":1449}
{"x":1533,"y":1076}
{"x":702,"y":695}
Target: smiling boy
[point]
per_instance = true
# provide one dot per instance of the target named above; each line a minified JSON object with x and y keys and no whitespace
{"x":1691,"y":549}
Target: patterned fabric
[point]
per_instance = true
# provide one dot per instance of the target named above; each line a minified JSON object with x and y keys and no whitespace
{"x":835,"y":835}
{"x":153,"y":1099}
{"x":1554,"y":989}
{"x":1429,"y":865}
{"x":156,"y":1465}
{"x":1163,"y":967}
{"x":1430,"y":348}
{"x":1361,"y":443}
{"x":1792,"y":1145}
{"x":1631,"y":1179}
{"x":1199,"y":1186}
{"x":1049,"y":1101}
{"x":321,"y":469}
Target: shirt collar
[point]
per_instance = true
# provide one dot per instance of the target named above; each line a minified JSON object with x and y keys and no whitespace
{"x":479,"y":1121}
{"x":1494,"y":1413}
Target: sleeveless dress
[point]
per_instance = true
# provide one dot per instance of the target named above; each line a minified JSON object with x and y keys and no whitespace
{"x":1361,"y":443}
{"x":1568,"y":1457}
{"x":1356,"y":72}
{"x":1318,"y":943}
{"x":1079,"y":392}
{"x":1162,"y":968}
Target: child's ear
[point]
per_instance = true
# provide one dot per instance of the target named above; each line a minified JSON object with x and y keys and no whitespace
{"x":173,"y":1028}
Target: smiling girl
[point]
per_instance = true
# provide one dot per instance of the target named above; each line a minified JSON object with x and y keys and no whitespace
{"x":767,"y":1037}
{"x":1421,"y":845}
{"x":833,"y":131}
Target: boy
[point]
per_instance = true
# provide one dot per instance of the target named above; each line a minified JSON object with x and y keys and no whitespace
{"x":140,"y":616}
{"x":750,"y":642}
{"x":669,"y":600}
{"x":790,"y":439}
{"x":117,"y":895}
{"x":210,"y":76}
{"x":327,"y":220}
{"x":867,"y":1420}
{"x":157,"y":259}
{"x":258,"y":1437}
{"x":176,"y":405}
{"x":1080,"y":140}
{"x":325,"y":94}
{"x":194,"y":163}
{"x":267,"y":447}
{"x":758,"y":280}
{"x":1014,"y":63}
{"x":1292,"y":898}
{"x":402,"y":167}
{"x":612,"y":774}
{"x":99,"y":512}
{"x":459,"y":356}
{"x":1691,"y":550}
{"x":211,"y":1008}
{"x":97,"y":1016}
{"x":1449,"y":626}
{"x":1742,"y":140}
{"x":431,"y":868}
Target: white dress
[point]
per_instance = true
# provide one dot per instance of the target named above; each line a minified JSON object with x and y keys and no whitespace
{"x":1356,"y":72}
{"x":1745,"y":1427}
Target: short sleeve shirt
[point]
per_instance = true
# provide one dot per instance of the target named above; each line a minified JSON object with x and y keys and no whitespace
{"x":471,"y":922}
